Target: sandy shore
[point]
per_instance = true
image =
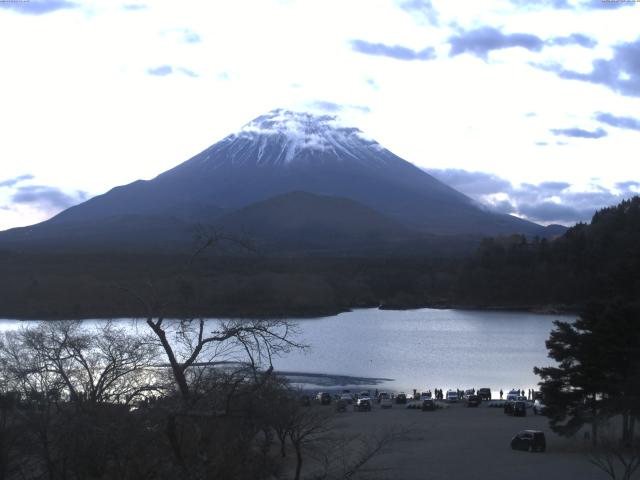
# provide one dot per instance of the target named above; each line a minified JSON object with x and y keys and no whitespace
{"x":457,"y":442}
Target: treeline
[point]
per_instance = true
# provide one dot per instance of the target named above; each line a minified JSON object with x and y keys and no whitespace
{"x":595,"y":261}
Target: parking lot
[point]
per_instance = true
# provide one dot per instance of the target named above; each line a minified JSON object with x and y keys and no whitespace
{"x":460,"y":442}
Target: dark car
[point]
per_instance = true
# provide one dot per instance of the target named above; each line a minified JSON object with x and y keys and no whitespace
{"x":529,"y":440}
{"x":472,"y":400}
{"x":508,"y":407}
{"x":428,"y":405}
{"x":519,"y":409}
{"x":484,"y":393}
{"x":363,"y":405}
{"x":401,"y":398}
{"x":324,"y":398}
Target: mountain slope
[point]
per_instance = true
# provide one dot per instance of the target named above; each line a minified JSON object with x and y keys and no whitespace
{"x":284,"y":152}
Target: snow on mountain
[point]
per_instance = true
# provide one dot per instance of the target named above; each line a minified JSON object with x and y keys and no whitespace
{"x":281,"y":137}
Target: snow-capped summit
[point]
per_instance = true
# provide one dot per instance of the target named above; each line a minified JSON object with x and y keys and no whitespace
{"x":281,"y":137}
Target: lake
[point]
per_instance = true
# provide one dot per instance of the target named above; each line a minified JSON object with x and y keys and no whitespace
{"x":421,"y":349}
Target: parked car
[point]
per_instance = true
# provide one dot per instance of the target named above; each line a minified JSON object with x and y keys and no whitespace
{"x":382,"y":395}
{"x":347,"y":398}
{"x":484,"y":393}
{"x":472,"y":400}
{"x":537,"y":395}
{"x":539,"y":408}
{"x":513,"y":395}
{"x":529,"y":440}
{"x":469,"y":392}
{"x":324,"y":398}
{"x":519,"y":409}
{"x":508,"y":407}
{"x":401,"y":398}
{"x":425,"y":395}
{"x":428,"y":405}
{"x":363,"y":405}
{"x":386,"y":402}
{"x":452,"y":396}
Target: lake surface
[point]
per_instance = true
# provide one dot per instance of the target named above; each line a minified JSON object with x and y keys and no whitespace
{"x":421,"y":349}
{"x":426,"y":348}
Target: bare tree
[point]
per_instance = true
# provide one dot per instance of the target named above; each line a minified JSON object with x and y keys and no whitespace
{"x":619,"y":460}
{"x":93,"y":365}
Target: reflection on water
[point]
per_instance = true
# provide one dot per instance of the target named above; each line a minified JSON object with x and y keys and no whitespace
{"x":421,"y":349}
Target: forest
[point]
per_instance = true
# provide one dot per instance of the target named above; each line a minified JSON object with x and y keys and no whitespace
{"x":592,"y":261}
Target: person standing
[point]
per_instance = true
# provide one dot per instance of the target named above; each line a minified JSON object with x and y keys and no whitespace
{"x":501,"y":393}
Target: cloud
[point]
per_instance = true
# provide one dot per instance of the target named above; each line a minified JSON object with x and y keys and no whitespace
{"x":605,"y":4}
{"x":46,"y":198}
{"x":629,"y":123}
{"x":161,"y":71}
{"x":13,"y":181}
{"x":556,"y":4}
{"x":393,"y":51}
{"x":38,"y":7}
{"x":573,"y":39}
{"x":332,"y":107}
{"x":621,"y":73}
{"x":481,"y":41}
{"x":546,"y":202}
{"x":422,"y":10}
{"x":471,"y":183}
{"x":568,"y":5}
{"x":579,"y":132}
{"x":134,"y":7}
{"x":629,"y":186}
{"x":165,"y":70}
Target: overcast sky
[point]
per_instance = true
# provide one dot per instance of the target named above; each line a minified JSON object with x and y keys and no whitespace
{"x":530,"y":106}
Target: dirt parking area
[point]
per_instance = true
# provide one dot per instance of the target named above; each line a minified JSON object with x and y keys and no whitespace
{"x":457,"y":442}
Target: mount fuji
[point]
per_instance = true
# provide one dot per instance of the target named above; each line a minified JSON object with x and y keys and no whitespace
{"x":285,"y":175}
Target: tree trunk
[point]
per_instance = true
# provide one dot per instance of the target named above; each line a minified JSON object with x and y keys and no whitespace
{"x":298,"y":460}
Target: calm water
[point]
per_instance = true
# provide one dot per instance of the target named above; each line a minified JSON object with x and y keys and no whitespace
{"x":419,"y":349}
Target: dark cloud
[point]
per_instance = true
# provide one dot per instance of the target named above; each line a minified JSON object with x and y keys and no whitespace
{"x":393,"y":51}
{"x":471,"y":183}
{"x":46,"y":197}
{"x":481,"y":41}
{"x":546,"y":202}
{"x":10,"y":182}
{"x":574,"y":39}
{"x":628,"y":186}
{"x":554,"y":186}
{"x":422,"y":10}
{"x":579,"y":132}
{"x":38,"y":7}
{"x":621,"y":73}
{"x":331,"y":107}
{"x":629,"y":123}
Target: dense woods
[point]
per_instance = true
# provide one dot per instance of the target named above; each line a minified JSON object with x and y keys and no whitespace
{"x":590,"y":261}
